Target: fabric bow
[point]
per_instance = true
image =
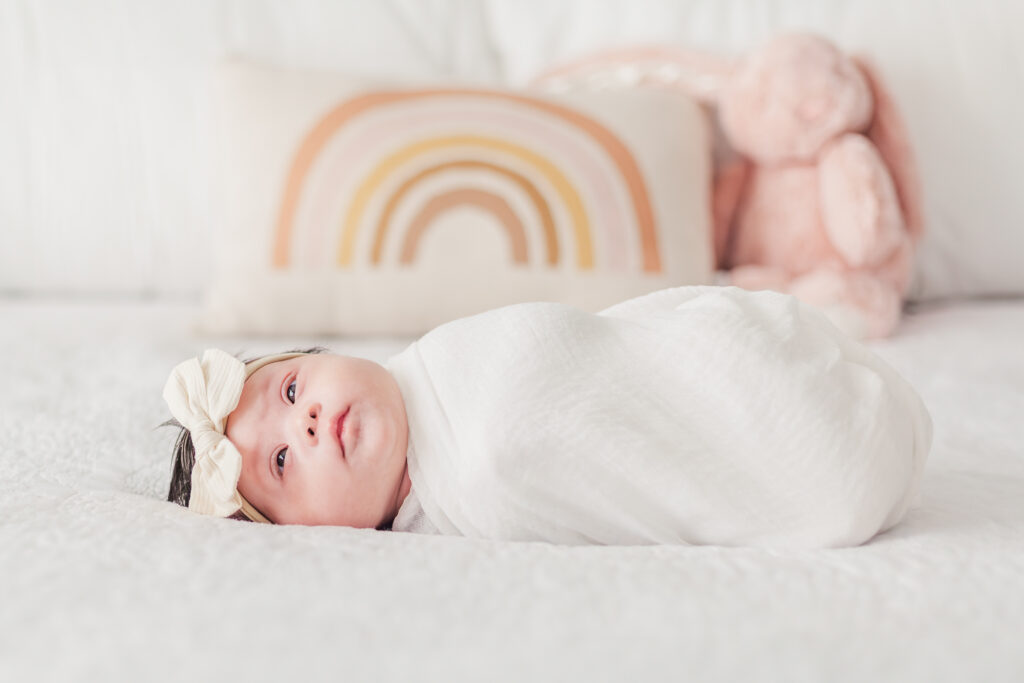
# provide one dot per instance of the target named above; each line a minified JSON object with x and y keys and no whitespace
{"x":201,"y":395}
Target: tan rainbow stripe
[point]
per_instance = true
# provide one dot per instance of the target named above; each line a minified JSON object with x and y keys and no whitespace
{"x":321,"y":133}
{"x":539,"y":203}
{"x":489,"y":201}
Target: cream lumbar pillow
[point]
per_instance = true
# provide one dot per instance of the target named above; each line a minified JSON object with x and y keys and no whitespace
{"x":350,"y":208}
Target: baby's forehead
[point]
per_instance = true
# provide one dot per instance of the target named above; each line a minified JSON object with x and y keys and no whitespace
{"x":303,"y":360}
{"x":265,"y":368}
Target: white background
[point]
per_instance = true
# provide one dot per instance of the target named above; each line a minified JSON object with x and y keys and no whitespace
{"x":105,"y":118}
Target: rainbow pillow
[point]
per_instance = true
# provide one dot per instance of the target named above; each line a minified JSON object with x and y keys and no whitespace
{"x":356,"y":209}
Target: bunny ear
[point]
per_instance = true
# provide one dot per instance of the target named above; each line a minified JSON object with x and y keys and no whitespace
{"x":889,"y":135}
{"x":700,"y":75}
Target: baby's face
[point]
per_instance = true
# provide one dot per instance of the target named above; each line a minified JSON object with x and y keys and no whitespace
{"x":323,"y":440}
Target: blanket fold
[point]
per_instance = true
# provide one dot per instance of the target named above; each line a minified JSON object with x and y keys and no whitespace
{"x":693,"y":415}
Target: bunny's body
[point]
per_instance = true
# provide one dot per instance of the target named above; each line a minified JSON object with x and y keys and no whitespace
{"x":812,"y":208}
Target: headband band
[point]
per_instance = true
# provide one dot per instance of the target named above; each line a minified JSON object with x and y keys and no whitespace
{"x":201,"y":394}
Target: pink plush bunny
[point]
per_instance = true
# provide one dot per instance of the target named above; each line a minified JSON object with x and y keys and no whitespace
{"x":823,"y":203}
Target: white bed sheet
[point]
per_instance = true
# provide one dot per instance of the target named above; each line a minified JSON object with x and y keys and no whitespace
{"x":101,"y":580}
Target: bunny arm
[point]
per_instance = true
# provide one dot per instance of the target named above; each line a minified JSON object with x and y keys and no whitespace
{"x":754,"y":277}
{"x":860,"y":304}
{"x":728,"y":186}
{"x":859,"y":207}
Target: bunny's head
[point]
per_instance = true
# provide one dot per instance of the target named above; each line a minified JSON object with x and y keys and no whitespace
{"x":784,"y":101}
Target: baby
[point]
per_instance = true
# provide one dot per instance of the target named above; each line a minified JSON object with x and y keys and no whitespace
{"x":317,"y":438}
{"x":693,"y":415}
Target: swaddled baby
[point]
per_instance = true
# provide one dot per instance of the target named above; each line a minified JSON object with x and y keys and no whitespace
{"x":693,"y":415}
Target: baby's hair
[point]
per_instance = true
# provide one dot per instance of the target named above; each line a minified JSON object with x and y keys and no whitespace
{"x":184,"y":454}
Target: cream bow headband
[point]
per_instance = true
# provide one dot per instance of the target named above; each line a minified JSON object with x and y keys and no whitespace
{"x":201,"y":394}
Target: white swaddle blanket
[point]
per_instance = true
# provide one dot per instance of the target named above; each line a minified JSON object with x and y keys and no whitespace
{"x":703,"y":415}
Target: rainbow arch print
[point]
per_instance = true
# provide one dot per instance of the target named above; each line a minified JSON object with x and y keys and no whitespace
{"x":561,"y":185}
{"x":497,"y":205}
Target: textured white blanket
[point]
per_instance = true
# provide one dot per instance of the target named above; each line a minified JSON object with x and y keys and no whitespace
{"x":104,"y":581}
{"x":695,"y":415}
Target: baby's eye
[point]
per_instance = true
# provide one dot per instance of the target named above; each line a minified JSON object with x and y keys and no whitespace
{"x":281,"y":455}
{"x":291,"y":392}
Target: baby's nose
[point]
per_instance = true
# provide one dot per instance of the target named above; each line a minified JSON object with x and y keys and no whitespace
{"x":309,"y":422}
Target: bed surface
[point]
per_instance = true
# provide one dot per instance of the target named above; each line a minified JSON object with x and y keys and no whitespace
{"x":102,"y":580}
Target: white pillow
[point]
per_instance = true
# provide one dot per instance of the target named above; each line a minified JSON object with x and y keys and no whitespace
{"x":355,"y":208}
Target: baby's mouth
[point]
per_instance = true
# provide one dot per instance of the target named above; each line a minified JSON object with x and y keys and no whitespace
{"x":339,"y":427}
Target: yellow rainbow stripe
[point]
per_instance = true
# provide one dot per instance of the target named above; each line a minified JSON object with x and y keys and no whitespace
{"x":573,"y":203}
